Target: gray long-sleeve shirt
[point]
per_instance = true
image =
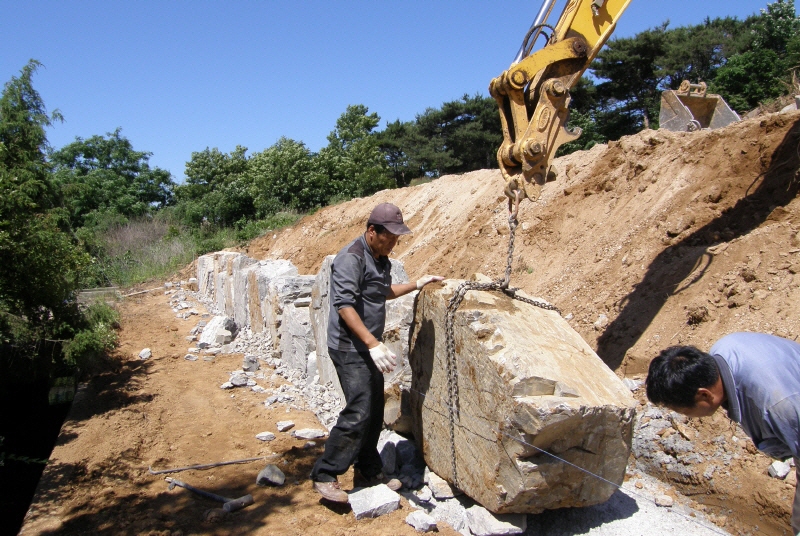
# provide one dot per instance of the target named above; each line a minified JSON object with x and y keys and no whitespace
{"x":360,"y":281}
{"x":761,"y":377}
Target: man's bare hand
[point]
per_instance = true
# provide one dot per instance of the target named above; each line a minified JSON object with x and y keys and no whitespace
{"x":422,"y":281}
{"x":383,"y":357}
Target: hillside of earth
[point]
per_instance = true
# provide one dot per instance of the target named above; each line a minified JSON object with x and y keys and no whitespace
{"x":659,"y":239}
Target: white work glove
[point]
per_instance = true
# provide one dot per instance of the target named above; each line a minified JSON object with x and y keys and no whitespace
{"x":421,"y":282}
{"x":383,"y":357}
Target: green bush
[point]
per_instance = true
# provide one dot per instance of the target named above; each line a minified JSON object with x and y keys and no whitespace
{"x":90,"y":344}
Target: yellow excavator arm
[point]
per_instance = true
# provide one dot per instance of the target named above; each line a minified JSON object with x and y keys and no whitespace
{"x":533,"y":94}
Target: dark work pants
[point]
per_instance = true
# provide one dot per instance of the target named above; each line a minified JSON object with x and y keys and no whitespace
{"x":355,"y":436}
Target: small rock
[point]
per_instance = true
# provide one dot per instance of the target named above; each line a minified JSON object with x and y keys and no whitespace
{"x":190,"y":357}
{"x":239,"y":380}
{"x":215,"y":515}
{"x":283,"y":426}
{"x":440,"y":488}
{"x":421,"y":521}
{"x":265,"y":436}
{"x":779,"y":469}
{"x":483,"y":523}
{"x":632,"y":384}
{"x":664,"y":500}
{"x":226,"y":385}
{"x":271,"y":475}
{"x":145,"y":354}
{"x":424,"y":494}
{"x":309,"y":433}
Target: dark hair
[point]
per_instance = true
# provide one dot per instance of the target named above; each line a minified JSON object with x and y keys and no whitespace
{"x":677,"y":373}
{"x":378,"y":228}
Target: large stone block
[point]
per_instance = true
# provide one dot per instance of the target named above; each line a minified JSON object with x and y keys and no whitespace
{"x":282,"y":291}
{"x":320,"y":308}
{"x":531,"y":396}
{"x":208,"y":267}
{"x":258,"y":278}
{"x":297,"y":338}
{"x":239,"y":270}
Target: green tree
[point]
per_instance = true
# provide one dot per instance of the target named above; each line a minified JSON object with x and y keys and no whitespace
{"x":633,"y":76}
{"x":763,"y":70}
{"x":103,"y":178}
{"x":352,"y":164}
{"x":216,"y":188}
{"x":283,"y":176}
{"x":41,"y":262}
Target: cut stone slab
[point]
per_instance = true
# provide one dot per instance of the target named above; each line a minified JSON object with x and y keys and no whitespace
{"x":374,"y":501}
{"x":280,"y":292}
{"x":481,"y":522}
{"x":531,"y":393}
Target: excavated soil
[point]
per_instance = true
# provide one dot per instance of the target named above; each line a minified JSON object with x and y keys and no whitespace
{"x":659,"y":239}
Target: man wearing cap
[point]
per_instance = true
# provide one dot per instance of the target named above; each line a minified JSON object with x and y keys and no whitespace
{"x":361,"y":282}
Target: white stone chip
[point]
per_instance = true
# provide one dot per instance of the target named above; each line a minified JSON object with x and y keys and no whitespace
{"x":779,"y":469}
{"x":145,"y":354}
{"x":265,"y":436}
{"x":483,"y":523}
{"x":309,"y":433}
{"x":421,"y":521}
{"x":374,"y":502}
{"x":664,"y":500}
{"x":283,"y":426}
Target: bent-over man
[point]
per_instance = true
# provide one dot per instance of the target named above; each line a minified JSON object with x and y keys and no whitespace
{"x":361,"y":282}
{"x":754,"y":376}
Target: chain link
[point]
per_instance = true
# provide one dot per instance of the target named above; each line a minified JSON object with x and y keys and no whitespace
{"x":500,"y":285}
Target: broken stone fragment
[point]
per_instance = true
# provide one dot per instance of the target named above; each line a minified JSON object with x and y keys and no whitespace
{"x":481,"y":522}
{"x":665,"y":501}
{"x":145,"y":354}
{"x":374,"y":501}
{"x":265,"y":436}
{"x":309,"y":433}
{"x":271,"y":475}
{"x":532,"y":403}
{"x":439,"y":487}
{"x":779,"y":469}
{"x":421,"y":521}
{"x":239,"y":380}
{"x":283,"y":426}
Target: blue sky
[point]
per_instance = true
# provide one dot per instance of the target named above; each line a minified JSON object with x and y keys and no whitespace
{"x":179,"y":76}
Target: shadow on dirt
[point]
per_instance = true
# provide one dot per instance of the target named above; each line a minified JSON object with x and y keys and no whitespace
{"x":667,"y":274}
{"x":139,"y":512}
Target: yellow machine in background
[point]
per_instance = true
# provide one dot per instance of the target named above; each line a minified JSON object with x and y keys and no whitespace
{"x":533,"y":94}
{"x":690,"y":108}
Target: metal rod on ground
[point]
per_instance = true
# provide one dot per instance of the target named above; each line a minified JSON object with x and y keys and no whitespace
{"x":229,"y":505}
{"x":203,"y":466}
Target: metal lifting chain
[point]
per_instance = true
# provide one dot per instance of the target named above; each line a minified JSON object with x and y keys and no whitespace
{"x":455,"y":301}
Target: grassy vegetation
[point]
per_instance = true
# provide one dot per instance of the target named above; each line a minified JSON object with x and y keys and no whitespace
{"x":150,"y":248}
